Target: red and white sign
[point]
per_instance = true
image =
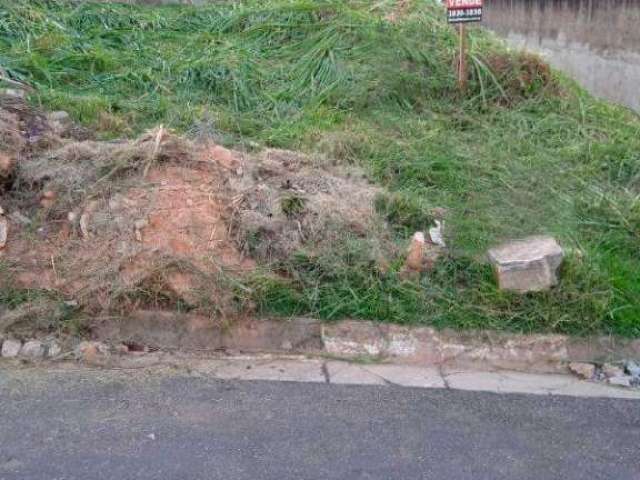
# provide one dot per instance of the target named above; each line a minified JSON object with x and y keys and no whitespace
{"x":463,"y":11}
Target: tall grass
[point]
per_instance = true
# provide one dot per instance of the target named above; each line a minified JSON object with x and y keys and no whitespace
{"x":522,"y":151}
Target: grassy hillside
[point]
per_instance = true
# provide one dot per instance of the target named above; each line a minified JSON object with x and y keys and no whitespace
{"x":521,"y":152}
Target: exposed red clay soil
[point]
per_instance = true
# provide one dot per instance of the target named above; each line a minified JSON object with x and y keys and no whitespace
{"x":157,"y":221}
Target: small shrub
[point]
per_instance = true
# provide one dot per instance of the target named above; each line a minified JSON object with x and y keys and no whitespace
{"x":292,"y":206}
{"x":521,"y":75}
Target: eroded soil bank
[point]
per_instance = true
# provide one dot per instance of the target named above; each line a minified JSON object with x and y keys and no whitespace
{"x":101,"y":229}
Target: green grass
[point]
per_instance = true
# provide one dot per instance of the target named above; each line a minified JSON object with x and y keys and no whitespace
{"x":517,"y":154}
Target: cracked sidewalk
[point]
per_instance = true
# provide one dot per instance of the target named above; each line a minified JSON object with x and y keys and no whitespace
{"x":338,"y":372}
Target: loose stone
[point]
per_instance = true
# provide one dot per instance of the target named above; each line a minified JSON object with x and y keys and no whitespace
{"x":527,"y":265}
{"x":11,"y":348}
{"x":33,"y":349}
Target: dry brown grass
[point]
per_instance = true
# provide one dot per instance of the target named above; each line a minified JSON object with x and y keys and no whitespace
{"x":522,"y":74}
{"x":164,"y":222}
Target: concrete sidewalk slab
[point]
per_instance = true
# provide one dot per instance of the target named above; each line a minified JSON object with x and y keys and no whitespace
{"x":344,"y":373}
{"x":536,"y":384}
{"x":339,"y":372}
{"x":407,"y":375}
{"x":299,"y":370}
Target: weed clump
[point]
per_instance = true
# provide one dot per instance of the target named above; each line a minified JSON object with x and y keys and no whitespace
{"x":290,"y":202}
{"x":521,"y":75}
{"x":292,"y":206}
{"x":352,"y":279}
{"x":405,"y":212}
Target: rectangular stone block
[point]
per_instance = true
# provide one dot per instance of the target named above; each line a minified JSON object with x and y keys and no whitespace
{"x":527,"y":265}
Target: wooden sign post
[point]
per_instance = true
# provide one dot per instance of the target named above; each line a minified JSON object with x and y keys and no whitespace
{"x":460,"y":12}
{"x":462,"y":59}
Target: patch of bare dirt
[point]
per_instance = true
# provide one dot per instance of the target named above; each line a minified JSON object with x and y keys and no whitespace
{"x":120,"y":214}
{"x":161,"y":221}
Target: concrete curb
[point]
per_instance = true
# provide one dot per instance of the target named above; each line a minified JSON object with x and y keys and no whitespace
{"x":360,"y":339}
{"x":478,"y":349}
{"x":188,"y":332}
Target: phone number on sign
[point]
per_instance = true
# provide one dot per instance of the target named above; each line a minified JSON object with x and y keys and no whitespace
{"x":469,"y":12}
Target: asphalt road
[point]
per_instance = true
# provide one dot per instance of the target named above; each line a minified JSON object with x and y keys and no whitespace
{"x":141,"y":425}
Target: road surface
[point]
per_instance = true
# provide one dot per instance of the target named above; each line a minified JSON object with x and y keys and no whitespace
{"x":61,"y":425}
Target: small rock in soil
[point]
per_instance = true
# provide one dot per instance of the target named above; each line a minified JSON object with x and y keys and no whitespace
{"x":421,"y":256}
{"x":583,"y":370}
{"x":11,"y":348}
{"x":4,"y":231}
{"x":437,"y":234}
{"x":48,"y":199}
{"x":90,"y":351}
{"x":13,"y":93}
{"x":60,"y":116}
{"x":621,"y":381}
{"x":610,"y":371}
{"x":54,"y":349}
{"x":633,"y":368}
{"x":527,"y":265}
{"x":33,"y":349}
{"x":141,"y":223}
{"x":415,"y":254}
{"x":7,"y":166}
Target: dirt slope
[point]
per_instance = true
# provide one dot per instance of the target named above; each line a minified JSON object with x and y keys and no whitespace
{"x":160,"y":221}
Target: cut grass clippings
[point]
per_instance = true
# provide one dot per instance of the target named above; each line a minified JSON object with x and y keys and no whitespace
{"x":523,"y":151}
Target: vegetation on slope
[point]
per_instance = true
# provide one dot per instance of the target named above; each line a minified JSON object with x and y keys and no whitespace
{"x":522,"y":151}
